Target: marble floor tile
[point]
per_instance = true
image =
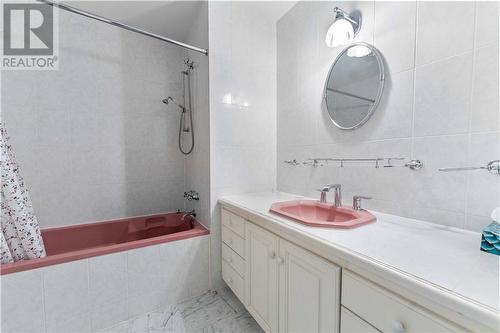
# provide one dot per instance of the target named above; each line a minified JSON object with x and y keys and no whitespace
{"x":243,"y":323}
{"x":211,"y":312}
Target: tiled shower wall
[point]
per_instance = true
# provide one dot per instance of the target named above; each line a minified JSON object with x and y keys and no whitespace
{"x":93,"y":139}
{"x":440,"y":105}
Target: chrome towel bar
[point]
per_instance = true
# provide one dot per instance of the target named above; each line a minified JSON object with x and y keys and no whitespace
{"x":377,"y":162}
{"x":493,"y":167}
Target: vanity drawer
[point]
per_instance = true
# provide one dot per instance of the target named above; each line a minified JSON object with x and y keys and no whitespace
{"x":387,"y":311}
{"x":350,"y":323}
{"x":234,"y":222}
{"x":234,"y":241}
{"x":234,"y":281}
{"x":233,"y":259}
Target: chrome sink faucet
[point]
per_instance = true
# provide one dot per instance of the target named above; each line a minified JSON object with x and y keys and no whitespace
{"x":337,"y":201}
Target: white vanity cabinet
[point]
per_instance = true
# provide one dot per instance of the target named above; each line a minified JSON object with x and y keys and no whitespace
{"x":309,"y":291}
{"x":233,"y":253}
{"x":376,"y":308}
{"x":289,"y":289}
{"x":262,"y":276}
{"x":286,"y":288}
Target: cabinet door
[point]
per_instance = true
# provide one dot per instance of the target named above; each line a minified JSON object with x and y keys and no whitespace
{"x":350,"y":323}
{"x":309,"y":291}
{"x":262,"y":276}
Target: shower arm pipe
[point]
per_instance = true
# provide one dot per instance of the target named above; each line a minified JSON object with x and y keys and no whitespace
{"x":123,"y":26}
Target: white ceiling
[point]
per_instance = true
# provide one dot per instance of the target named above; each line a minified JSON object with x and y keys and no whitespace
{"x":170,"y":18}
{"x":274,"y":10}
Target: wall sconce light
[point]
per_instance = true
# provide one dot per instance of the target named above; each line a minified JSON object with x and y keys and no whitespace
{"x":344,"y":29}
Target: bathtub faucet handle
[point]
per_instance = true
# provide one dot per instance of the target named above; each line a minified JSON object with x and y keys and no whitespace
{"x":192,"y":195}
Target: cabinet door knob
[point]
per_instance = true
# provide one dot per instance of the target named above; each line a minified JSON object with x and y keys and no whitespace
{"x":398,"y":327}
{"x":272,"y":255}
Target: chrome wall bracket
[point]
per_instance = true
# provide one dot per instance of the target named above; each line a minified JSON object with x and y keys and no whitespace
{"x":414,"y":165}
{"x":354,"y":18}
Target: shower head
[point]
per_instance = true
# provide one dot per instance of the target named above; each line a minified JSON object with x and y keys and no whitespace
{"x":170,"y":99}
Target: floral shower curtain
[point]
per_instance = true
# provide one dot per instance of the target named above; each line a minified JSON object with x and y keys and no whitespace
{"x":20,"y":237}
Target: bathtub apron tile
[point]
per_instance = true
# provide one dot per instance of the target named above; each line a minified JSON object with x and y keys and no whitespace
{"x":75,"y":324}
{"x":144,"y":272}
{"x":145,"y":276}
{"x":174,"y":266}
{"x":66,"y":296}
{"x":108,"y":278}
{"x":141,"y":304}
{"x":108,"y":314}
{"x":22,"y":298}
{"x":108,"y":290}
{"x":198,"y":270}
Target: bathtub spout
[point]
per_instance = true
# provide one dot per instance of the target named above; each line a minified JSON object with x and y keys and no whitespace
{"x":191,"y":213}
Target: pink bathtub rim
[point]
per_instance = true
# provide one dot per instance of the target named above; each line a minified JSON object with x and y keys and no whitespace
{"x":196,"y":231}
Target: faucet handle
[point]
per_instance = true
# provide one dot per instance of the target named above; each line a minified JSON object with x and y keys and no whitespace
{"x":356,"y":201}
{"x":329,"y":187}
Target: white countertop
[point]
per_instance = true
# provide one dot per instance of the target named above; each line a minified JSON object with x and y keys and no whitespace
{"x":444,"y":257}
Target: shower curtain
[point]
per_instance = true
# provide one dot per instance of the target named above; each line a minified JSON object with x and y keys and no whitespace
{"x":20,"y":237}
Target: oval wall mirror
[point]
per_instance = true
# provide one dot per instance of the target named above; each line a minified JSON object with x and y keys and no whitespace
{"x":354,"y":85}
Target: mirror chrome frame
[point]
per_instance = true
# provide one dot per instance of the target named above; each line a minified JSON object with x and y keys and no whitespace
{"x":372,"y":109}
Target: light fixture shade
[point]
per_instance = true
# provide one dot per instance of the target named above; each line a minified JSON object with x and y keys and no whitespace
{"x":340,"y":32}
{"x":358,"y":51}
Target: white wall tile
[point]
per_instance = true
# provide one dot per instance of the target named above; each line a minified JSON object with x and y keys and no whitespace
{"x":394,"y":114}
{"x":444,"y":29}
{"x":44,"y":204}
{"x":243,"y":64}
{"x":16,"y":289}
{"x":484,"y":188}
{"x":54,"y":168}
{"x":485,"y":93}
{"x":84,"y":129}
{"x":440,"y":189}
{"x":98,"y":120}
{"x":395,"y":33}
{"x":477,"y":223}
{"x":442,"y":96}
{"x":53,"y":127}
{"x":429,"y":110}
{"x":487,"y":16}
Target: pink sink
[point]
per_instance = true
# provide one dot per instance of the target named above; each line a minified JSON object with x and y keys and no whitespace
{"x":314,"y":213}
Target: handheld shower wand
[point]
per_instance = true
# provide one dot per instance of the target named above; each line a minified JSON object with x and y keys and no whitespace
{"x":186,"y":112}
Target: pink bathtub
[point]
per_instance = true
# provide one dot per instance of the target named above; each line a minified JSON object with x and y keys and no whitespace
{"x":93,"y":239}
